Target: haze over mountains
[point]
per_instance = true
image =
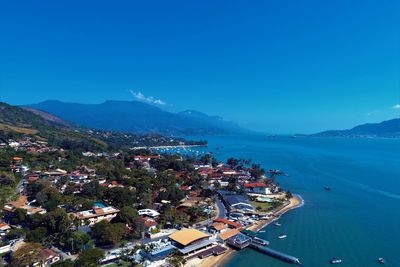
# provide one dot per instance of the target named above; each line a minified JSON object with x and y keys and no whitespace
{"x":389,"y":128}
{"x":138,"y":117}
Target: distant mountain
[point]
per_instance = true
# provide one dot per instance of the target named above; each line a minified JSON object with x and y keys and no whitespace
{"x":138,"y":117}
{"x":390,"y":128}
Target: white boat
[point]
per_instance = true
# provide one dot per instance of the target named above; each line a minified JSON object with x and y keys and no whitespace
{"x":381,"y":260}
{"x":277,"y":224}
{"x":282,"y":236}
{"x":335,"y":261}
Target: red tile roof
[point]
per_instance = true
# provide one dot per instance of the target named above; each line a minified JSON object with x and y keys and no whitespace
{"x":230,"y":223}
{"x":255,"y":185}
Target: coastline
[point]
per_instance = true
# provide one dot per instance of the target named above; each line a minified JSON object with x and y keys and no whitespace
{"x":295,"y":202}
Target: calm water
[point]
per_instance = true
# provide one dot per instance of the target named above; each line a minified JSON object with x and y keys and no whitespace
{"x":357,"y":221}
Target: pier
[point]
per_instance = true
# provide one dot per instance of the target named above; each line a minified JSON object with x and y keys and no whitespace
{"x":274,"y":253}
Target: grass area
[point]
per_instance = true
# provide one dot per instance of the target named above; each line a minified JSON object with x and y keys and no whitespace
{"x":22,"y":130}
{"x":266,"y":206}
{"x":262,"y":206}
{"x":6,"y":192}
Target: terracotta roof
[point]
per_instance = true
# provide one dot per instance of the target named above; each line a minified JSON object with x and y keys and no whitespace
{"x":47,"y":253}
{"x":19,"y":203}
{"x":230,"y":223}
{"x":228,"y":234}
{"x":149,"y":222}
{"x":255,"y":185}
{"x":187,"y":236}
{"x":219,"y":226}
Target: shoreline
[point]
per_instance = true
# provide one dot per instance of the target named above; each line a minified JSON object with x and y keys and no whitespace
{"x":166,"y":147}
{"x":295,"y":202}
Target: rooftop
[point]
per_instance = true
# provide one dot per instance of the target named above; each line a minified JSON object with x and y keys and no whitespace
{"x":188,"y":236}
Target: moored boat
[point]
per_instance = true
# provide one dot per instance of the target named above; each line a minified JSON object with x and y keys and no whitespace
{"x":282,"y":236}
{"x":335,"y":261}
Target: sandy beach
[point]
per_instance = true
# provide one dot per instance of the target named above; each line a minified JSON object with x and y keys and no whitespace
{"x":295,"y":202}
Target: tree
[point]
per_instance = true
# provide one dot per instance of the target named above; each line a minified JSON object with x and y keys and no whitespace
{"x":127,"y":215}
{"x":6,"y":179}
{"x":120,"y":196}
{"x":66,"y":263}
{"x":49,"y":198}
{"x":37,"y":235}
{"x":92,"y":189}
{"x":89,"y":258}
{"x":177,"y":259}
{"x":19,"y":216}
{"x":106,"y":233}
{"x":57,"y":221}
{"x":288,"y":195}
{"x":77,"y":241}
{"x":27,"y":255}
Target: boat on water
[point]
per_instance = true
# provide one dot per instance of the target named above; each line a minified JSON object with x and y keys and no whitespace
{"x":335,"y":261}
{"x":327,"y":188}
{"x":277,"y":224}
{"x":262,"y":231}
{"x":381,"y":260}
{"x":282,"y":236}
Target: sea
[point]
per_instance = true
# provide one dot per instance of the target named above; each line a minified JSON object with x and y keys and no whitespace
{"x":357,"y":221}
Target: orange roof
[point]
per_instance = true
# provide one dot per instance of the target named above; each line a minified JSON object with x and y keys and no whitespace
{"x":228,"y":234}
{"x":188,"y":236}
{"x":219,"y":226}
{"x":19,"y":203}
{"x":230,"y":223}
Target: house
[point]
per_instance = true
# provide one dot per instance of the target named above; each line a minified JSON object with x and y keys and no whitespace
{"x":22,"y":203}
{"x":97,"y":214}
{"x":49,"y":257}
{"x":228,"y":234}
{"x":229,"y":224}
{"x":217,"y":227}
{"x":149,"y":224}
{"x":257,"y":188}
{"x":149,"y":213}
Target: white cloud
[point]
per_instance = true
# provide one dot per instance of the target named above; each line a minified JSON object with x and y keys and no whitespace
{"x":147,"y":99}
{"x":372,"y":112}
{"x":397,"y":106}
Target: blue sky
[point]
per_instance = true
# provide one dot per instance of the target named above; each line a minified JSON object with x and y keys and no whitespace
{"x":275,"y":66}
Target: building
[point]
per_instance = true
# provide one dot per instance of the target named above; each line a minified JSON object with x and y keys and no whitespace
{"x":224,"y":236}
{"x":97,"y":214}
{"x":149,"y":224}
{"x":49,"y":257}
{"x":149,"y":213}
{"x":236,"y":202}
{"x":217,"y":227}
{"x":239,"y":241}
{"x":257,"y":188}
{"x":190,"y":240}
{"x":228,"y":223}
{"x":22,"y":203}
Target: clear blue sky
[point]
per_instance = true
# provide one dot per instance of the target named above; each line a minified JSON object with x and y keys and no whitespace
{"x":275,"y":66}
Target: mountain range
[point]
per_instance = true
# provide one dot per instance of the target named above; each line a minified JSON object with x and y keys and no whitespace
{"x":389,"y":128}
{"x":137,"y":117}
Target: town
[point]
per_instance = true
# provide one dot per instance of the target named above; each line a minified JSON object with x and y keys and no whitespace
{"x":128,"y":207}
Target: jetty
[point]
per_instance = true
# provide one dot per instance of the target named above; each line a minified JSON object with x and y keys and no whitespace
{"x":273,"y":253}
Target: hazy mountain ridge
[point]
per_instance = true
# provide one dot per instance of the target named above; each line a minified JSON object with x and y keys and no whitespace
{"x":389,"y":128}
{"x":138,"y":117}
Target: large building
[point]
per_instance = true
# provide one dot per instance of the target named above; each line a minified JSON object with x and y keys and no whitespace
{"x":190,"y":240}
{"x":97,"y":214}
{"x":236,"y":202}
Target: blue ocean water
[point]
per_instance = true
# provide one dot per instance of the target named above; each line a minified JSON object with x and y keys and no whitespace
{"x":357,"y":221}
